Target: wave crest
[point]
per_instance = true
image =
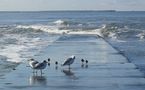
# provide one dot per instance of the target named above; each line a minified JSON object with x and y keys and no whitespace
{"x":121,"y":32}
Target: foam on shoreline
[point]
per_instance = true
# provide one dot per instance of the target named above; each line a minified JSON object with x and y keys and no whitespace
{"x":55,"y":30}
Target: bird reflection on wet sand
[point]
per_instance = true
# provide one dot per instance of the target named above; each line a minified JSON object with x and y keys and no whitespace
{"x":84,"y":66}
{"x":69,"y":73}
{"x":37,"y":80}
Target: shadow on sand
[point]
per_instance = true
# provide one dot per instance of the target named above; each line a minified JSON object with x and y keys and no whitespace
{"x":69,"y":73}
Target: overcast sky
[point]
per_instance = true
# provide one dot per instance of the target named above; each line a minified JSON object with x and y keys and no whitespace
{"x":44,"y":5}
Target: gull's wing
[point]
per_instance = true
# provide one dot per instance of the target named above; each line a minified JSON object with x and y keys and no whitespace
{"x":67,"y":62}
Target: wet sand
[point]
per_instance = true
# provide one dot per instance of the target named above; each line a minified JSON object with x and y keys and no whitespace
{"x":106,"y":70}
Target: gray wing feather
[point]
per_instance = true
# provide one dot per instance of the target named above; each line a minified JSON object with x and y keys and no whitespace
{"x":67,"y":61}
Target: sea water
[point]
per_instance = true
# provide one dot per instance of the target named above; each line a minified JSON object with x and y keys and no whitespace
{"x":24,"y":35}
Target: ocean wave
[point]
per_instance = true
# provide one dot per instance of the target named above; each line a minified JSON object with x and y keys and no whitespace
{"x":45,"y":28}
{"x":112,"y":30}
{"x":19,"y":44}
{"x":56,"y":30}
{"x":121,"y":32}
{"x":61,"y":22}
{"x":67,"y":22}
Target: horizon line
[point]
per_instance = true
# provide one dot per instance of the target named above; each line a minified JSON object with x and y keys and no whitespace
{"x":71,"y":10}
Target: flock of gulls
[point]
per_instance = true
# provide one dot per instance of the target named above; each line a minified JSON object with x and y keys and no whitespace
{"x":35,"y":65}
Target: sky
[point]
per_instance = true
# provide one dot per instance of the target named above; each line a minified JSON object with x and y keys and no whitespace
{"x":46,"y":5}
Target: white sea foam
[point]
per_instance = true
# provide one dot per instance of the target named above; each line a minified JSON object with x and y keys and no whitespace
{"x":49,"y":29}
{"x":141,"y":35}
{"x":112,"y":35}
{"x":56,"y":30}
{"x":17,"y":47}
{"x":60,"y":22}
{"x":11,"y":51}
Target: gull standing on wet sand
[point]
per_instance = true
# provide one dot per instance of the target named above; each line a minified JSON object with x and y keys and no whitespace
{"x":32,"y":63}
{"x":69,"y":61}
{"x":35,"y":65}
{"x":41,"y":66}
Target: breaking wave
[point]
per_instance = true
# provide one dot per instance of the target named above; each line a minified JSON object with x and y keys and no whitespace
{"x":122,"y":32}
{"x":19,"y":44}
{"x":106,"y":30}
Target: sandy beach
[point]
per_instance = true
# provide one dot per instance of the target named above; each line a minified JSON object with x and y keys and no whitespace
{"x":106,"y":70}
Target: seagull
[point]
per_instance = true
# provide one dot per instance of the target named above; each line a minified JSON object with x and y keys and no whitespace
{"x":35,"y":65}
{"x":82,"y":61}
{"x":32,"y":63}
{"x":48,"y":61}
{"x":69,"y":61}
{"x":86,"y":61}
{"x":41,"y":66}
{"x":56,"y":63}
